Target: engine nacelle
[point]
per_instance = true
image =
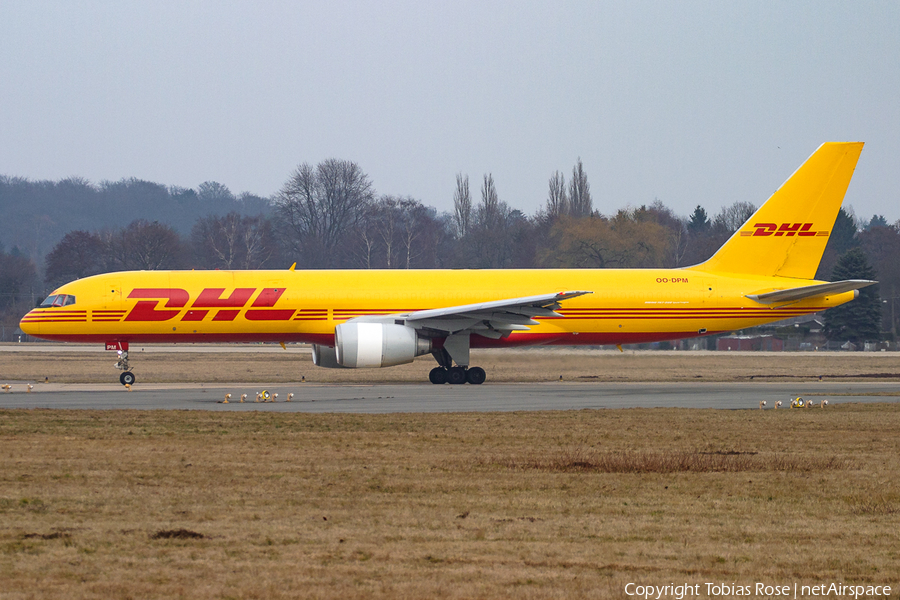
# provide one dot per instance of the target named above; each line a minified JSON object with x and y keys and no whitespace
{"x":359,"y":344}
{"x":325,"y":356}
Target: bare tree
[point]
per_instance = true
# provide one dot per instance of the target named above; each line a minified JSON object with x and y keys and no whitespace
{"x":732,"y":217}
{"x":677,"y":227}
{"x":557,"y":201}
{"x":397,"y":232}
{"x":320,"y":206}
{"x":233,"y":242}
{"x":388,"y":217}
{"x":366,"y":238}
{"x":462,"y":206}
{"x":216,"y":241}
{"x":153,"y":246}
{"x":415,"y":223}
{"x":79,"y":254}
{"x":259,"y":244}
{"x":144,"y":245}
{"x":500,"y":236}
{"x":489,"y":211}
{"x":580,"y":202}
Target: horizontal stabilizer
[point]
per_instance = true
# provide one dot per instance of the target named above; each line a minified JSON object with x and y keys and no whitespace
{"x":810,"y":291}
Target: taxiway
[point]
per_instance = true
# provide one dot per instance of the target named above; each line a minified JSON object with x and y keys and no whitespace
{"x":400,"y":398}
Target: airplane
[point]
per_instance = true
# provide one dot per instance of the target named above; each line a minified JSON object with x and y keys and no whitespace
{"x":380,"y":318}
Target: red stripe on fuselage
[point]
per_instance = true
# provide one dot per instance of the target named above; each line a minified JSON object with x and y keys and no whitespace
{"x":477,"y":341}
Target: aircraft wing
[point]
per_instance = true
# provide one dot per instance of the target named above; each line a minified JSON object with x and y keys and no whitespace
{"x":491,"y":319}
{"x":810,"y":291}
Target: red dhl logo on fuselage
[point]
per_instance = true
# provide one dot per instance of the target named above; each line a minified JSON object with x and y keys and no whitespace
{"x":785,"y":229}
{"x":228,"y":308}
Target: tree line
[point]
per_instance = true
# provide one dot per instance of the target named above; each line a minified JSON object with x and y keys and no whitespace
{"x":329,"y":215}
{"x":37,"y":214}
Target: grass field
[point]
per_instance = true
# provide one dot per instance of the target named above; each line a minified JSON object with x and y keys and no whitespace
{"x":260,"y":364}
{"x":193,"y":504}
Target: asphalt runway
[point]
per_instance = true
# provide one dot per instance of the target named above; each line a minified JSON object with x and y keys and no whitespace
{"x":409,"y":398}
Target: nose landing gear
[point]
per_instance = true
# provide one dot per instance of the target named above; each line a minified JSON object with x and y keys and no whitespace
{"x":126,"y":378}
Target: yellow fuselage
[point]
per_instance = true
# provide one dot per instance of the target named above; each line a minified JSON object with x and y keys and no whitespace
{"x":625,"y":306}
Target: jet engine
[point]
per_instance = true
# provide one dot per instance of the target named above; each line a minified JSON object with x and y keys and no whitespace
{"x":325,"y":356}
{"x":359,"y":345}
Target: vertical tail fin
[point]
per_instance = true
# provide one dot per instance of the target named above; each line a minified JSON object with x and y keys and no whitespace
{"x":787,"y":235}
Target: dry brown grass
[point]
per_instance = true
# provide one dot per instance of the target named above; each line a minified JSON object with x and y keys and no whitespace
{"x":160,"y":365}
{"x":112,"y":504}
{"x":585,"y":459}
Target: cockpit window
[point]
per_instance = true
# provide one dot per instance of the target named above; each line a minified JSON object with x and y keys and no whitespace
{"x":58,"y":300}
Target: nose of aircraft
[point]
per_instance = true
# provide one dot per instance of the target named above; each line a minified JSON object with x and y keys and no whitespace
{"x":29,"y":324}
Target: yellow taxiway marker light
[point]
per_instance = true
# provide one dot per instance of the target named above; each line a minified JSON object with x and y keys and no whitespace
{"x":225,"y":401}
{"x":243,"y":397}
{"x":290,"y":397}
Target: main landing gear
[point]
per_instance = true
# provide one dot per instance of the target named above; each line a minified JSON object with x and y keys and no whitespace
{"x":462,"y":373}
{"x":126,"y":378}
{"x":457,"y":375}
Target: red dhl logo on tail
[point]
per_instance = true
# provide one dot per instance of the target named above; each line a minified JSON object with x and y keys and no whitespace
{"x":176,"y":299}
{"x":784,"y":229}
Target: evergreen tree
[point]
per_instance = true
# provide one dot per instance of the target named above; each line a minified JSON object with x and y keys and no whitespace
{"x":699,"y":222}
{"x":876,"y":221}
{"x":844,"y":233}
{"x":858,"y":320}
{"x":843,"y":237}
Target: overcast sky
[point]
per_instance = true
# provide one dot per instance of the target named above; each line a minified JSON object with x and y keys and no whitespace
{"x":690,"y":102}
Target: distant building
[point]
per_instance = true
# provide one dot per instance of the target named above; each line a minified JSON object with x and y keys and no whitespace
{"x":815,"y":322}
{"x":764,"y":343}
